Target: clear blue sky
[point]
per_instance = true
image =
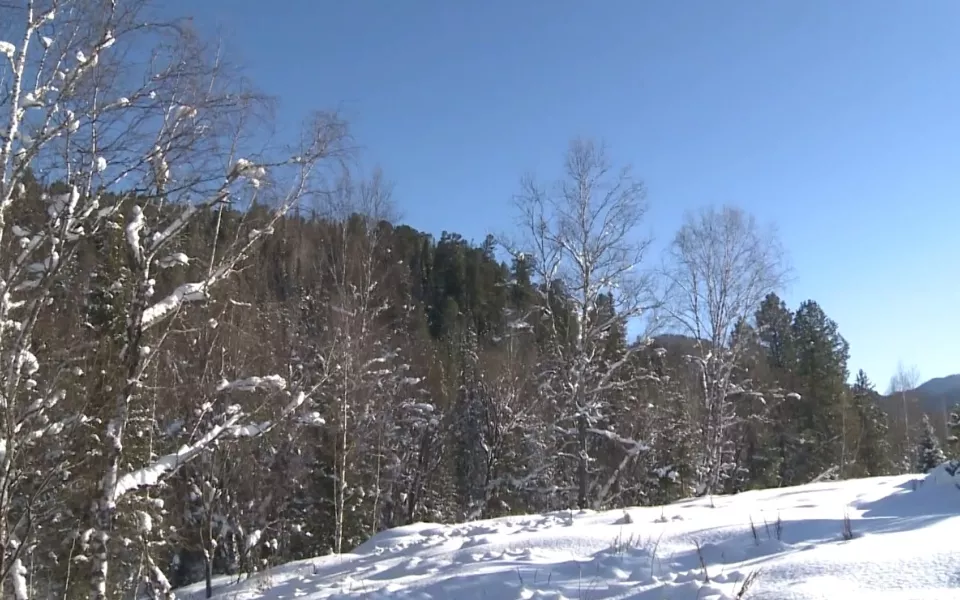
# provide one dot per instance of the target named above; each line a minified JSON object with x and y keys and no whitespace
{"x":840,"y":121}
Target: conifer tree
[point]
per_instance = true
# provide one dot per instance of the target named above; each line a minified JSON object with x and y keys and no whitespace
{"x":774,"y":324}
{"x":872,"y":452}
{"x":929,"y":454}
{"x":821,"y":374}
{"x":756,"y":453}
{"x":953,"y":434}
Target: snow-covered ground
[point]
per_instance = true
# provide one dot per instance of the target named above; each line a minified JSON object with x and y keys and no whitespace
{"x":905,"y":545}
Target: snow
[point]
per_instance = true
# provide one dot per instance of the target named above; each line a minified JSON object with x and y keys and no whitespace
{"x":252,"y":384}
{"x":161,"y":169}
{"x":19,"y":579}
{"x":134,"y":228}
{"x":246,"y":168}
{"x":28,"y":363}
{"x":144,"y":522}
{"x":175,"y":259}
{"x":903,"y":542}
{"x":187,"y":292}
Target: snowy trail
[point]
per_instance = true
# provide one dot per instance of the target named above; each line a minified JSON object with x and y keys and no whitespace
{"x":905,"y":545}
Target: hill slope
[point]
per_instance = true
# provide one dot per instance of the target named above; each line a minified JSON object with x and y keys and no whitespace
{"x":905,"y":544}
{"x":937,"y":396}
{"x":940,"y":386}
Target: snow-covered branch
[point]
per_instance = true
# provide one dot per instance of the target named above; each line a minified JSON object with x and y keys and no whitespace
{"x":252,"y":384}
{"x":118,"y":134}
{"x":152,"y":473}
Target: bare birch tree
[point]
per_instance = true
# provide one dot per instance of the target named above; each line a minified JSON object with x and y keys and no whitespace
{"x":580,"y":235}
{"x":499,"y":423}
{"x":904,"y":380}
{"x":719,"y":267}
{"x":359,"y":354}
{"x":145,"y":131}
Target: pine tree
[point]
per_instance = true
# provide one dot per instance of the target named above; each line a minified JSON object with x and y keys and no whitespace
{"x":821,"y":374}
{"x":774,"y":324}
{"x":774,"y":330}
{"x":872,"y":451}
{"x":929,"y":454}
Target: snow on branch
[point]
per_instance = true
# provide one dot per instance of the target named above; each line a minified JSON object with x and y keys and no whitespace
{"x":18,"y":576}
{"x":174,"y":260}
{"x":187,"y":292}
{"x":133,"y":230}
{"x":252,"y":384}
{"x":8,"y":49}
{"x":254,"y":429}
{"x":152,"y":473}
{"x":634,"y":446}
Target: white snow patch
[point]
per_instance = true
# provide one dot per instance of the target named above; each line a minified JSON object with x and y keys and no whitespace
{"x":904,"y":546}
{"x":18,"y":576}
{"x":947,"y":474}
{"x":144,"y":522}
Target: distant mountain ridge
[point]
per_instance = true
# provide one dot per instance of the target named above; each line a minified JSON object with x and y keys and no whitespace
{"x":939,"y":386}
{"x":937,"y":396}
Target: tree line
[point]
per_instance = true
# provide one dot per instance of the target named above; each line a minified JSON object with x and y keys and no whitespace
{"x":218,"y":355}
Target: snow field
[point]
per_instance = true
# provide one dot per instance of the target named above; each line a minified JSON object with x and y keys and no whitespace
{"x":879,"y":539}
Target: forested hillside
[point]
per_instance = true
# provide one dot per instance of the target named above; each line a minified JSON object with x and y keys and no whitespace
{"x":440,"y":388}
{"x":219,"y":354}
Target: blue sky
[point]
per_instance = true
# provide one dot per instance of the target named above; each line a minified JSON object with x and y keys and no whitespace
{"x":839,"y":121}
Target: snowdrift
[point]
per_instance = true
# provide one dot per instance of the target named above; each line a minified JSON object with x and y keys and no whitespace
{"x":872,"y":539}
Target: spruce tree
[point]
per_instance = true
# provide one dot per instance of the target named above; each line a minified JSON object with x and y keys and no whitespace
{"x":872,"y":452}
{"x":929,"y":454}
{"x":953,"y":434}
